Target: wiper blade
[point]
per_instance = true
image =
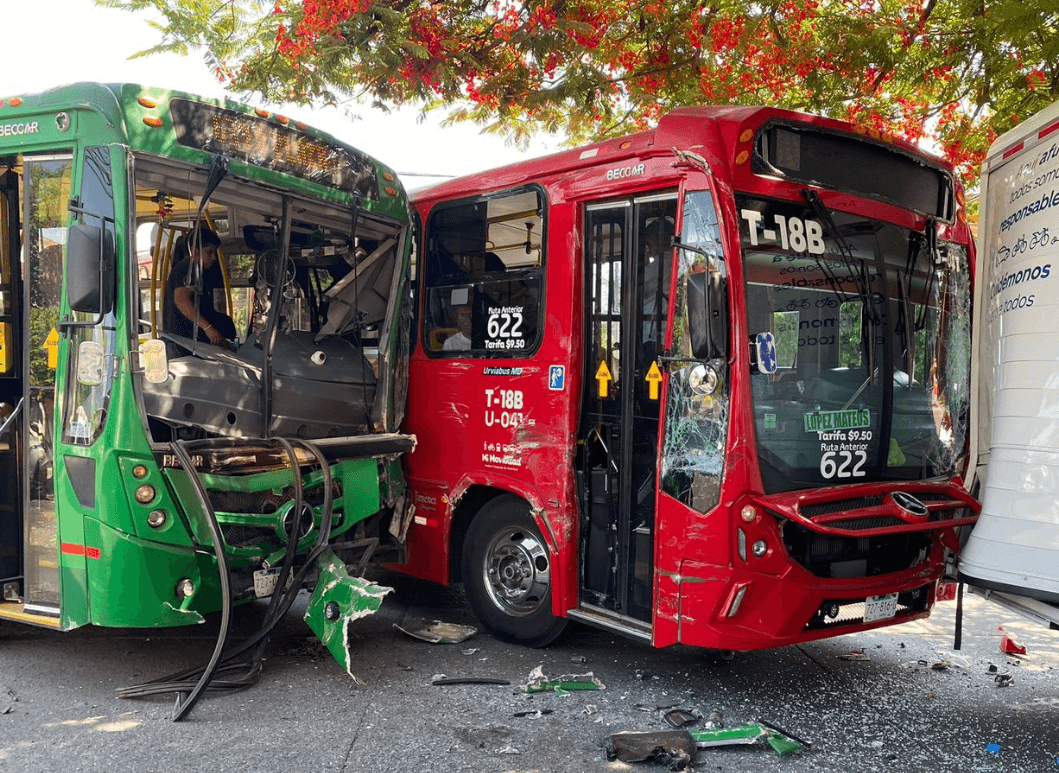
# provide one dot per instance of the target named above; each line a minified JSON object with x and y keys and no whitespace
{"x":844,"y":249}
{"x":930,"y":238}
{"x":859,"y":275}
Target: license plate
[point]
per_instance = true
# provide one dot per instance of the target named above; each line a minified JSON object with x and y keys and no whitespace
{"x":265,"y":581}
{"x":880,"y":607}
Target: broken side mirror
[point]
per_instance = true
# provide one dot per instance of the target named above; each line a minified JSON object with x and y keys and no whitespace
{"x":90,"y":269}
{"x":707,"y":315}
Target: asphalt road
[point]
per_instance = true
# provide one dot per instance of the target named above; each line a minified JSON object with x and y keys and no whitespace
{"x":894,"y":700}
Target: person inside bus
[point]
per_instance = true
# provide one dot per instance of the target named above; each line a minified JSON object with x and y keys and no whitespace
{"x":197,"y":276}
{"x":461,"y":339}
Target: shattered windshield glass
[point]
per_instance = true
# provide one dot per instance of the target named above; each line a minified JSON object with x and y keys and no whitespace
{"x":280,"y":323}
{"x":871,"y":324}
{"x":697,"y":402}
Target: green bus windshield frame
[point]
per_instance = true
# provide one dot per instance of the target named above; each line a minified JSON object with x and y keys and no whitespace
{"x":279,"y":148}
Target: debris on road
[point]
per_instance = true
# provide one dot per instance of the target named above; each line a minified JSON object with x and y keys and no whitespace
{"x":1009,"y":645}
{"x":855,"y":655}
{"x":441,"y":679}
{"x":538,"y":682}
{"x":780,"y":740}
{"x":681,"y":718}
{"x":1003,"y":680}
{"x":436,"y":631}
{"x":533,"y":713}
{"x":338,"y":599}
{"x":674,"y":748}
{"x":992,"y":748}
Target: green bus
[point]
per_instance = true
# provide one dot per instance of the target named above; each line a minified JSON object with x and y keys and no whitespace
{"x":153,"y":474}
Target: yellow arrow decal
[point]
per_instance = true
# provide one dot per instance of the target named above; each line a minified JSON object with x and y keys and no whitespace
{"x":51,"y":346}
{"x":654,"y":378}
{"x":604,"y":378}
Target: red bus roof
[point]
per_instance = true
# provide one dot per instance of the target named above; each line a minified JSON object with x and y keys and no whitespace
{"x":685,"y":128}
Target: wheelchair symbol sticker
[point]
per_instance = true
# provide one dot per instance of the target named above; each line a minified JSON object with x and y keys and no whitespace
{"x":556,"y":377}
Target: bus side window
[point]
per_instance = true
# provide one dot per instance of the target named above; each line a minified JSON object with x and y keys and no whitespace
{"x":483,"y":275}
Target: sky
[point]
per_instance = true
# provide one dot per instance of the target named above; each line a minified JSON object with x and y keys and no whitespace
{"x":65,"y":41}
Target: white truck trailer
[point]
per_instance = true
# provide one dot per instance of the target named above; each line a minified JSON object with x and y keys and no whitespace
{"x":1012,"y":554}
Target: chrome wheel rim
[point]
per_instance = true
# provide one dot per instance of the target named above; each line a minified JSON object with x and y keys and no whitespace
{"x":516,"y":571}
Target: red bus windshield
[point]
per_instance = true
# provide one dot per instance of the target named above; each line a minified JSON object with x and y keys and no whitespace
{"x":870,"y":323}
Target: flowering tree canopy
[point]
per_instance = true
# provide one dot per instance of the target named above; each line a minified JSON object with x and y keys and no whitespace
{"x":957,"y":72}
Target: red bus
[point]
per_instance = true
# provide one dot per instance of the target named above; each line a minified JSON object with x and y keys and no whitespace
{"x":707,"y":384}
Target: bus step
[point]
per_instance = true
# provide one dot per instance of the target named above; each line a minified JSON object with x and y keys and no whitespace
{"x":45,"y":616}
{"x":601,"y":618}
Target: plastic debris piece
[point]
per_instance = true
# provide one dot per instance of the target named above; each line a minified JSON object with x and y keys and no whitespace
{"x":538,"y":682}
{"x":1009,"y":645}
{"x":508,"y":750}
{"x":855,"y":655}
{"x":742,"y":735}
{"x":992,"y":748}
{"x":674,"y":748}
{"x":436,"y":631}
{"x":716,"y":719}
{"x":780,"y":740}
{"x":441,"y":679}
{"x":1003,"y":680}
{"x":533,"y":713}
{"x":471,"y":650}
{"x":946,"y":591}
{"x":992,"y":668}
{"x":786,"y":734}
{"x":680,"y":718}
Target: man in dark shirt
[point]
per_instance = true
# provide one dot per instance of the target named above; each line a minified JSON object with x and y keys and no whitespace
{"x":186,"y":306}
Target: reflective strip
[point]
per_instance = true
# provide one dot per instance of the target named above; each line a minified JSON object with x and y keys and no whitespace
{"x":70,"y":549}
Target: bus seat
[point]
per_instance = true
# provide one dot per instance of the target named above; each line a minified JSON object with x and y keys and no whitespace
{"x":436,"y":338}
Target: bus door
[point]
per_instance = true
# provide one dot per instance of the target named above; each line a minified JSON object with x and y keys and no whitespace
{"x":627,"y":260}
{"x":11,"y":389}
{"x":29,"y":313}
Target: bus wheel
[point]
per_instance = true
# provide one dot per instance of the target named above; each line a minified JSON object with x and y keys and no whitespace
{"x":507,"y":574}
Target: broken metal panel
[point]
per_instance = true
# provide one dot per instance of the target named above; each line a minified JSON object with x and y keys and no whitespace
{"x":320,"y":389}
{"x":337,"y":600}
{"x":674,"y":748}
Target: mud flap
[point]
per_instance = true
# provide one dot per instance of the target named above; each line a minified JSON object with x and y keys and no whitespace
{"x":337,"y":600}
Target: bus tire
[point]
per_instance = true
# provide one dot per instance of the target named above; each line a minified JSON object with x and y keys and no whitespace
{"x":507,"y":574}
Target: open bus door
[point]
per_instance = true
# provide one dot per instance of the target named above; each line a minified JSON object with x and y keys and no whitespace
{"x":29,"y":568}
{"x":628,"y":255}
{"x":11,"y":391}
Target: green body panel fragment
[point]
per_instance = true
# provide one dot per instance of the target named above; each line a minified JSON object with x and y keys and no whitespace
{"x":338,"y":600}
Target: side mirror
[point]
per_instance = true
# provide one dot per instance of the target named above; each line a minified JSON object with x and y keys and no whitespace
{"x":155,"y":361}
{"x":90,"y":269}
{"x":763,"y":358}
{"x":707,"y":316}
